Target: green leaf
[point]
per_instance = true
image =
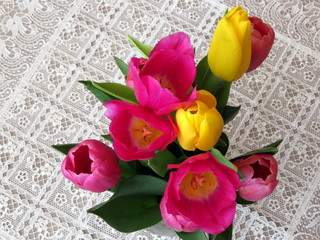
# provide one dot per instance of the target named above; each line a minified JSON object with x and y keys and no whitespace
{"x":126,"y":169}
{"x":129,"y":213}
{"x":134,"y":205}
{"x":203,"y":73}
{"x":197,"y":235}
{"x":107,"y":137}
{"x":160,"y":163}
{"x":101,"y":95}
{"x":265,"y":150}
{"x":122,"y":65}
{"x":142,"y":185}
{"x":223,"y":159}
{"x":229,"y":113}
{"x":226,"y":235}
{"x":275,"y":144}
{"x":64,"y":148}
{"x":223,"y":144}
{"x":242,"y":201}
{"x":143,"y":48}
{"x":222,"y":95}
{"x":241,"y":176}
{"x":206,"y":80}
{"x":117,"y":90}
{"x":269,"y":149}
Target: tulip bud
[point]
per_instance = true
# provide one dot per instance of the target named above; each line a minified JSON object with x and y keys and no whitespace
{"x":200,"y":124}
{"x":230,"y":49}
{"x":92,"y":165}
{"x":262,"y":37}
{"x":260,"y":173}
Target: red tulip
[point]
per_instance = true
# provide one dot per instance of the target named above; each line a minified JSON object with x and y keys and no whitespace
{"x":262,"y":37}
{"x":92,"y":165}
{"x":261,"y":172}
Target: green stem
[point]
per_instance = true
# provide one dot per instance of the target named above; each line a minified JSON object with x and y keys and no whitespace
{"x":211,"y":237}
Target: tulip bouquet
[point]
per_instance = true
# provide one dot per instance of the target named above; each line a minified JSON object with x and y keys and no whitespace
{"x":168,"y":158}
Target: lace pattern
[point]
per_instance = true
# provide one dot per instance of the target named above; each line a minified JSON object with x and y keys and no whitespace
{"x":46,"y":47}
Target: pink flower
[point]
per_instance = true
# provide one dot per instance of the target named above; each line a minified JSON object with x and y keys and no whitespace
{"x":179,"y":42}
{"x":167,"y":76}
{"x":137,"y":131}
{"x":261,"y":172}
{"x":262,"y":37}
{"x":92,"y":165}
{"x":201,"y":194}
{"x":140,"y":65}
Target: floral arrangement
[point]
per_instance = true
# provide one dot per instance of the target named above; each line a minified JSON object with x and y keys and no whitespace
{"x":168,"y":158}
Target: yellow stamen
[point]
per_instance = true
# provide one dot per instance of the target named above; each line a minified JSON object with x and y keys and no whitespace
{"x":197,"y":186}
{"x":142,"y":134}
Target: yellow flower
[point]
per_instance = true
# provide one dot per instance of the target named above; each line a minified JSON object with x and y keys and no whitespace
{"x":230,"y":50}
{"x":200,"y":124}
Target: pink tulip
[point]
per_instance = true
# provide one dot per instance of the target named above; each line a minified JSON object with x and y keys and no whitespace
{"x":179,"y":42}
{"x":201,"y":194}
{"x":140,"y":65}
{"x":261,"y":172}
{"x":262,"y":37}
{"x":92,"y":165}
{"x":137,"y":131}
{"x":164,"y":81}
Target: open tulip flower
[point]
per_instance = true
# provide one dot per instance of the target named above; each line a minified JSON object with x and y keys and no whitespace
{"x":92,"y":165}
{"x":163,"y":83}
{"x":137,"y":131}
{"x":201,"y":194}
{"x":168,"y":161}
{"x":261,"y":172}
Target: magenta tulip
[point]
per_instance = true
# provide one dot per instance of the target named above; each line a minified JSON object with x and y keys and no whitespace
{"x":140,"y":64}
{"x":163,"y":83}
{"x":92,"y":165}
{"x":261,"y":172}
{"x":137,"y":131}
{"x":262,"y":37}
{"x":179,"y":42}
{"x":201,"y":194}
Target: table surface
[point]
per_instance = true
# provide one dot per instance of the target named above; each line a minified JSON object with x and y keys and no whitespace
{"x":46,"y":47}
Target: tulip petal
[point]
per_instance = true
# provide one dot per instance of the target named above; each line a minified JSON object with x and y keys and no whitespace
{"x":178,"y":41}
{"x":207,"y":137}
{"x":188,"y":138}
{"x":257,"y":191}
{"x":225,"y":53}
{"x":174,"y":72}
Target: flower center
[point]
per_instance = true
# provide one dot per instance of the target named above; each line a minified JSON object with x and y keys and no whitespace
{"x":260,"y":171}
{"x":166,"y":84}
{"x":142,"y":134}
{"x":82,"y":162}
{"x":197,"y":186}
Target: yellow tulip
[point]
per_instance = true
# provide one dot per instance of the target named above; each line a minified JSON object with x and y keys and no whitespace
{"x":229,"y":54}
{"x":200,"y":124}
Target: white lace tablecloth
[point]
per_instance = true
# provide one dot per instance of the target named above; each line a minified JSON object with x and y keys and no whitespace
{"x":46,"y":47}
